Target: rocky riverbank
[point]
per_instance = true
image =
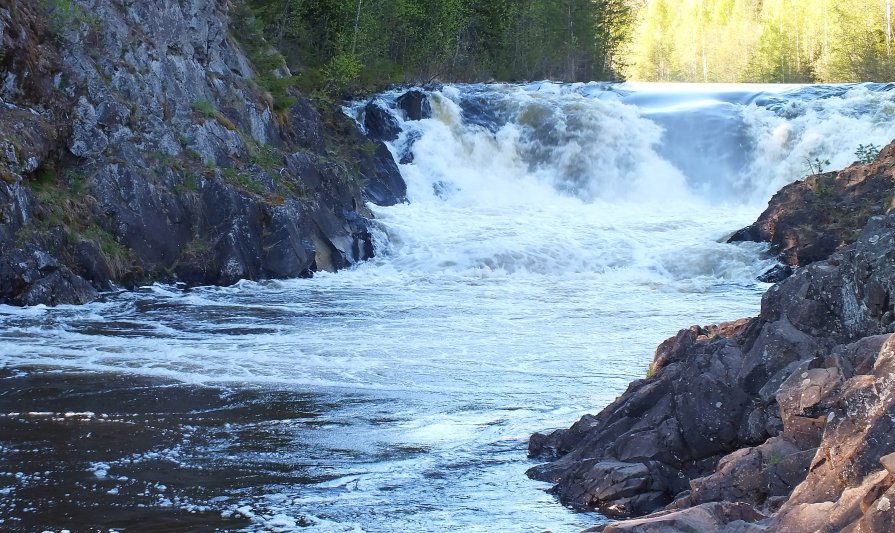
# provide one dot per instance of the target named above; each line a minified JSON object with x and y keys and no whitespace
{"x":782,"y":422}
{"x":808,"y":220}
{"x":136,"y":145}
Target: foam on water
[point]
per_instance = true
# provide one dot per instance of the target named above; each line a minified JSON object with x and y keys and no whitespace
{"x":555,"y":235}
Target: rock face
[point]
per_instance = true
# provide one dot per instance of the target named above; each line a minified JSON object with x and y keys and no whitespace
{"x":380,"y":124}
{"x":787,"y":416}
{"x":808,"y":220}
{"x":135,"y":146}
{"x":415,"y":105}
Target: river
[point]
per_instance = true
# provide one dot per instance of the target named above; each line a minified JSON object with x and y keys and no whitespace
{"x":555,"y":235}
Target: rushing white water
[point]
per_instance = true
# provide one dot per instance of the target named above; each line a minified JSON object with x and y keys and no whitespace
{"x":555,"y":235}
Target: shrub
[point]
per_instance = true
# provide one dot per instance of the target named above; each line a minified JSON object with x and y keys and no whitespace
{"x":204,"y":108}
{"x":341,"y":71}
{"x":867,"y":153}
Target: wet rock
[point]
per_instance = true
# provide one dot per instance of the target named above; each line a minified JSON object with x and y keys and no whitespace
{"x":617,"y":488}
{"x":92,"y":265}
{"x":407,"y":156}
{"x":483,"y":112}
{"x":380,"y":124}
{"x":776,"y":274}
{"x":415,"y":105}
{"x":752,"y":475}
{"x":722,"y":517}
{"x":31,"y":277}
{"x":444,"y":190}
{"x":383,"y":183}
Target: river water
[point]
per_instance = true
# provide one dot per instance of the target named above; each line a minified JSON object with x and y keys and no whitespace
{"x":555,"y":235}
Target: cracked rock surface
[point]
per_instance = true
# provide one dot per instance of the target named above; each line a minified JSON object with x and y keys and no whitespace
{"x":135,"y":146}
{"x":782,"y":422}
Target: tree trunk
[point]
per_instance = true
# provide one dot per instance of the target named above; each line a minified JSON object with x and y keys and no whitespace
{"x":888,"y":28}
{"x":356,"y":27}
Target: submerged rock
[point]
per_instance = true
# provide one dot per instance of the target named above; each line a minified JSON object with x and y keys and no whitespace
{"x":415,"y":105}
{"x":776,"y":274}
{"x":789,"y":413}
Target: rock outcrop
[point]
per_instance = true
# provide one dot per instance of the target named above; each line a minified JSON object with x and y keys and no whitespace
{"x":782,"y":422}
{"x":135,"y":145}
{"x":808,"y":220}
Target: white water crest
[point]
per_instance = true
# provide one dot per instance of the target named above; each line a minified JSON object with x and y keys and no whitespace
{"x":554,"y":235}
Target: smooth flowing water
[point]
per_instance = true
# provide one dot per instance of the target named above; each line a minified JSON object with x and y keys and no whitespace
{"x":555,"y":235}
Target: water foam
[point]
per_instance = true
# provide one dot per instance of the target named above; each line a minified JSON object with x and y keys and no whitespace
{"x":793,"y":133}
{"x":554,"y":237}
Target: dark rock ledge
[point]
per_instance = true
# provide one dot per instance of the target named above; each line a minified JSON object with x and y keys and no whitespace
{"x":808,"y":220}
{"x":135,"y":146}
{"x":781,"y":423}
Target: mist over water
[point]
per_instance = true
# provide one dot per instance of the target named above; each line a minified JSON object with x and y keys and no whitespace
{"x":555,"y":235}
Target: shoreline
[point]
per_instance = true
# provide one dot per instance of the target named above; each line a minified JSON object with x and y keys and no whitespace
{"x":775,"y":423}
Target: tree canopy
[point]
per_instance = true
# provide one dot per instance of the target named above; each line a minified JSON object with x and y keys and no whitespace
{"x":787,"y":41}
{"x":367,"y":43}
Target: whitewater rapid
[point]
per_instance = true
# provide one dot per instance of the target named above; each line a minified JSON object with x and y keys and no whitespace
{"x":554,"y":235}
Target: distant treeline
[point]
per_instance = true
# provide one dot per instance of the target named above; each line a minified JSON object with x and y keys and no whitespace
{"x":762,"y":41}
{"x":336,"y":44}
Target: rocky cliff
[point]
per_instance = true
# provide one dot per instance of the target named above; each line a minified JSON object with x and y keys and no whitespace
{"x":136,"y":145}
{"x":782,"y":422}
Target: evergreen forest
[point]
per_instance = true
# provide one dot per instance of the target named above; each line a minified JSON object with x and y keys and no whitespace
{"x":336,"y":46}
{"x":331,"y":45}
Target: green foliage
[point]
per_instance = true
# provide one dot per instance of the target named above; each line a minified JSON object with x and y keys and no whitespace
{"x":204,"y":108}
{"x":268,"y":61}
{"x":66,"y":14}
{"x":190,"y":183}
{"x":788,"y":41}
{"x":867,"y":153}
{"x":65,"y":205}
{"x":77,"y":181}
{"x":816,"y":166}
{"x":334,"y":46}
{"x":823,"y":191}
{"x":6,"y":175}
{"x":278,"y":88}
{"x":45,"y":178}
{"x":341,"y":72}
{"x":267,"y":157}
{"x":242,"y":179}
{"x":198,"y":247}
{"x":106,"y":241}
